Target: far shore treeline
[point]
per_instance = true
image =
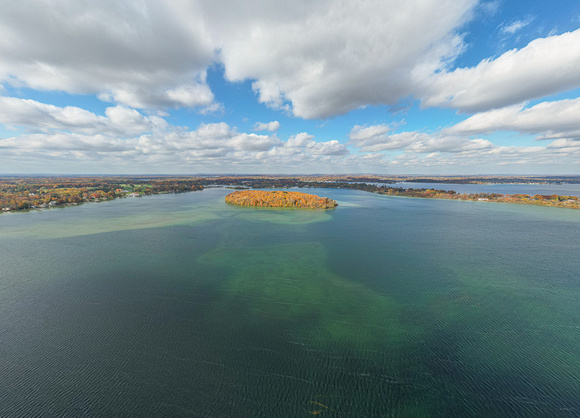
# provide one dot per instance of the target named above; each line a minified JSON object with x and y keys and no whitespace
{"x":24,"y":193}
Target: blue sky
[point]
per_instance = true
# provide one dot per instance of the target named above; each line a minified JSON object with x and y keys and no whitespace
{"x":273,"y":87}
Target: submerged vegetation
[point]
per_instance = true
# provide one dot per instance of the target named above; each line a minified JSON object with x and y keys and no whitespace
{"x":285,"y":285}
{"x":279,"y":199}
{"x":24,"y":193}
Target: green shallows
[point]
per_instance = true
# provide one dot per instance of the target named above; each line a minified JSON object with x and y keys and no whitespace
{"x":291,"y":285}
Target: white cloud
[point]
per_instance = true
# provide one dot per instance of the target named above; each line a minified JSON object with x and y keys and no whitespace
{"x":547,"y":120}
{"x":493,"y":159}
{"x":565,"y":144}
{"x":160,"y":97}
{"x":489,"y":8}
{"x":371,"y":135}
{"x":545,"y":66}
{"x":147,"y":53}
{"x":270,"y":126}
{"x":516,"y":25}
{"x":304,"y":142}
{"x":332,"y":147}
{"x":212,"y":147}
{"x":315,"y":59}
{"x":219,"y":138}
{"x":390,"y":142}
{"x":209,"y":147}
{"x":450,"y":151}
{"x":429,"y":144}
{"x":300,"y":140}
{"x":119,"y":121}
{"x":328,"y":57}
{"x":377,"y":138}
{"x":253,"y":142}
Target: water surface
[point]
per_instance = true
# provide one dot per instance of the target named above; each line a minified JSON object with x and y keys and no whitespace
{"x":182,"y":305}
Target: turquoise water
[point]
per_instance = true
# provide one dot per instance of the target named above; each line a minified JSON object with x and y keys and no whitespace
{"x":176,"y":305}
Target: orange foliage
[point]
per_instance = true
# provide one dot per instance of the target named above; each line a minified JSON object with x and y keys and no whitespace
{"x":279,"y":199}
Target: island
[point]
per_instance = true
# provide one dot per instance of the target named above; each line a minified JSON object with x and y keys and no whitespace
{"x":279,"y":199}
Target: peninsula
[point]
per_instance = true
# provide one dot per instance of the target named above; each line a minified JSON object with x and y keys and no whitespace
{"x":279,"y":199}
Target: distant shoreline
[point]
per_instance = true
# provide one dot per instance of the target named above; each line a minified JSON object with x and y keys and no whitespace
{"x":25,"y":193}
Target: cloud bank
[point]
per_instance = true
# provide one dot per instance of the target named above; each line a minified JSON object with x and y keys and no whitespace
{"x":311,"y":60}
{"x":545,"y":66}
{"x":316,"y":59}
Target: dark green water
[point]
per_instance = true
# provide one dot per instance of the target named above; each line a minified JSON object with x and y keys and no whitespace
{"x":180,"y":305}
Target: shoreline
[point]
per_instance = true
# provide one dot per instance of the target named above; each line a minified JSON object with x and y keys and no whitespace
{"x":23,"y":195}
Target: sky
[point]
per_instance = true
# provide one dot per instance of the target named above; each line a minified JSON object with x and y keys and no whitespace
{"x":433,"y":87}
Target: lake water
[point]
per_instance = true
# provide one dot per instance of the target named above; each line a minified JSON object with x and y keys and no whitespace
{"x":180,"y":305}
{"x":531,"y":189}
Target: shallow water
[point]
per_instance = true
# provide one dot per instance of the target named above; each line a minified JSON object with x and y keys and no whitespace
{"x":385,"y":306}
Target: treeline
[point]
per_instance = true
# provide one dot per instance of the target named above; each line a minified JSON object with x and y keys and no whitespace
{"x":419,"y":179}
{"x":29,"y":193}
{"x":571,"y":202}
{"x":494,"y":179}
{"x":21,"y":193}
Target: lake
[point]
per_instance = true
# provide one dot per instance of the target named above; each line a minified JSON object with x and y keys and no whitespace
{"x":181,"y":305}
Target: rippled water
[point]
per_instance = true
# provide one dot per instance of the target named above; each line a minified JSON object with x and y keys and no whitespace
{"x":183,"y":305}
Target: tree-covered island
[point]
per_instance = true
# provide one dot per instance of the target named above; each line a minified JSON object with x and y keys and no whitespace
{"x":279,"y":199}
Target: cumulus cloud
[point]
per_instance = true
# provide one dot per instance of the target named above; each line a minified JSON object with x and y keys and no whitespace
{"x":498,"y":159}
{"x":146,"y":54}
{"x":428,"y":144}
{"x":304,"y":142}
{"x":450,"y":150}
{"x":545,"y":66}
{"x":332,"y":147}
{"x":160,"y":97}
{"x":368,"y":136}
{"x":68,"y":143}
{"x":214,"y":145}
{"x":327,"y":57}
{"x":547,"y":120}
{"x":314,"y":59}
{"x":118,"y":121}
{"x":270,"y":126}
{"x":299,"y":140}
{"x":377,"y":138}
{"x":218,"y":137}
